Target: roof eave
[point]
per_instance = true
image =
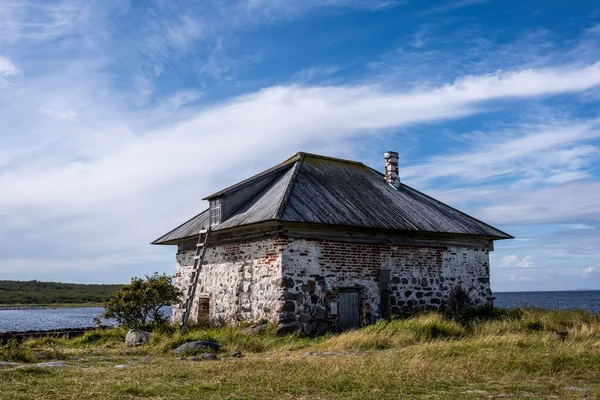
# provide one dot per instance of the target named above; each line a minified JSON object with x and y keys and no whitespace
{"x":158,"y":241}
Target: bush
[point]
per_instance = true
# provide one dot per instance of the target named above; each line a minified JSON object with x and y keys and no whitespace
{"x":140,"y":303}
{"x":14,"y":352}
{"x":458,"y":299}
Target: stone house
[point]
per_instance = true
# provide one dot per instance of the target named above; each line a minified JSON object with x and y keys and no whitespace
{"x":318,"y":242}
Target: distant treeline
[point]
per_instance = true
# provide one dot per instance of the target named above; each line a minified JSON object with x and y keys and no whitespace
{"x":34,"y":292}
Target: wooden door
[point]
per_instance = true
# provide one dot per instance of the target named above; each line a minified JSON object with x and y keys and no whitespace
{"x":349,"y":310}
{"x":203,"y":310}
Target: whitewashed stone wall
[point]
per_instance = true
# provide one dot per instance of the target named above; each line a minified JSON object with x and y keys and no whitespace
{"x":243,"y":281}
{"x":295,"y":282}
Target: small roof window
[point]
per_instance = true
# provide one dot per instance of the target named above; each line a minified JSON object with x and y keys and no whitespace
{"x":215,"y":211}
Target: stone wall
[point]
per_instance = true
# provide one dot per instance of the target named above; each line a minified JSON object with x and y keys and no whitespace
{"x":296,"y":282}
{"x":420,"y":277}
{"x":241,"y":281}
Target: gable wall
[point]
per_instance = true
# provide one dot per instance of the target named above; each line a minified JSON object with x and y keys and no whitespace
{"x":242,"y":280}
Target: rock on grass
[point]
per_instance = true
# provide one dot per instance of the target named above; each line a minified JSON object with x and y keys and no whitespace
{"x":136,"y":337}
{"x":193,"y":348}
{"x":52,"y":364}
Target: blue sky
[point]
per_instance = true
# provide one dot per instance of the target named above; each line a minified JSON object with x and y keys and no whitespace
{"x":117,"y":117}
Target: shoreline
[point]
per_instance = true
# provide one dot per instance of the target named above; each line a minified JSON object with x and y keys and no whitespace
{"x":67,"y":333}
{"x":7,"y":307}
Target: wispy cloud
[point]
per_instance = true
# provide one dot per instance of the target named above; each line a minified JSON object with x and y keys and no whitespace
{"x":308,"y":75}
{"x":513,"y":261}
{"x":520,"y":153}
{"x":40,"y":20}
{"x":573,"y":202}
{"x":453,"y":5}
{"x":7,"y":68}
{"x":587,"y":272}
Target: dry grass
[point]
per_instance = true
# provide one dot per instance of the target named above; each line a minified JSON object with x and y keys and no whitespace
{"x":424,"y":357}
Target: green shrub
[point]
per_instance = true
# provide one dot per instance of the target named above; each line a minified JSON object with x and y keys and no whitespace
{"x":140,"y":304}
{"x":14,"y":351}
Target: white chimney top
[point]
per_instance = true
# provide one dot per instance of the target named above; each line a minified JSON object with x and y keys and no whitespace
{"x":391,"y":169}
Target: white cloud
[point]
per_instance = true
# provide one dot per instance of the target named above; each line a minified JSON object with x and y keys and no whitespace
{"x":284,"y":8}
{"x":517,"y":278}
{"x":521,"y":153}
{"x":513,"y":261}
{"x":574,"y":202}
{"x":579,"y":226}
{"x":169,"y":38}
{"x":587,"y":272}
{"x":453,"y":5}
{"x":277,"y":119}
{"x":7,"y":68}
{"x":64,"y":114}
{"x":274,"y":119}
{"x":37,"y":21}
{"x":309,"y":74}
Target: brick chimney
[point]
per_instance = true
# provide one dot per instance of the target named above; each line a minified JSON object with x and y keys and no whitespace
{"x":391,"y":169}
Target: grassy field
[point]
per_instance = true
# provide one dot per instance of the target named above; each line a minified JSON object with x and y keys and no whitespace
{"x":424,"y":357}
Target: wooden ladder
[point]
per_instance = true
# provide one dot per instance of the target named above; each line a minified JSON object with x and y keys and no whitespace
{"x":191,"y":290}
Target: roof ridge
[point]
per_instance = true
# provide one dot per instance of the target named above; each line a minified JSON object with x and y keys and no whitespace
{"x":290,"y":186}
{"x":312,"y":155}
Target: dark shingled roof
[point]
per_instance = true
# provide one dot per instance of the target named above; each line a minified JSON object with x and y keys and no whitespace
{"x":324,"y":190}
{"x":190,"y":228}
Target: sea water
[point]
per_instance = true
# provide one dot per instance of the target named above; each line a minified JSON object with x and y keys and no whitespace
{"x":62,"y":318}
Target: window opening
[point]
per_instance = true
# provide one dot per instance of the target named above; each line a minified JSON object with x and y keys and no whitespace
{"x":215,"y":212}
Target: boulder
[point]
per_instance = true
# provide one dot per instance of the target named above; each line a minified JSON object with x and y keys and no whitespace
{"x":52,"y":364}
{"x":314,"y":328}
{"x":254,"y":329}
{"x":285,"y":328}
{"x":193,"y":348}
{"x":135,"y":337}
